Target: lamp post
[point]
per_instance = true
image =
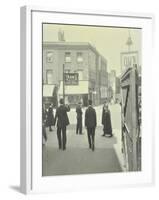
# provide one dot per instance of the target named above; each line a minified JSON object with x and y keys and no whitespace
{"x":94,"y":96}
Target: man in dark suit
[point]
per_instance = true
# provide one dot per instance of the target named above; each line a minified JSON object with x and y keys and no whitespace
{"x":90,"y":123}
{"x":79,"y":118}
{"x":62,"y":121}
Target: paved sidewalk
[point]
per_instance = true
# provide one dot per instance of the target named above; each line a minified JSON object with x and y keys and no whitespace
{"x":78,"y":158}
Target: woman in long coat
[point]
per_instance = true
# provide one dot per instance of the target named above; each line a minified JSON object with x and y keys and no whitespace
{"x":50,"y":118}
{"x":106,"y":121}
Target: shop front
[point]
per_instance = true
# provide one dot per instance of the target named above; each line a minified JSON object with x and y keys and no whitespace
{"x":75,"y":93}
{"x":48,"y":95}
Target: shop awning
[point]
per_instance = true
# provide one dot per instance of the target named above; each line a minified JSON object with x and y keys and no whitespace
{"x":81,"y":88}
{"x":48,"y":90}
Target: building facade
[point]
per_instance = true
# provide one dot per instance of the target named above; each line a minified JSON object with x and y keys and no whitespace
{"x":81,"y":58}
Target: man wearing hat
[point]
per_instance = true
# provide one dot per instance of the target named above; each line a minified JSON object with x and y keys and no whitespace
{"x":79,"y":118}
{"x":90,"y":123}
{"x":62,"y":122}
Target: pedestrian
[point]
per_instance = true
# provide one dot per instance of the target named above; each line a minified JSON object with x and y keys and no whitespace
{"x":44,"y":113}
{"x":44,"y":131}
{"x":62,"y":121}
{"x":50,"y":117}
{"x":44,"y":125}
{"x":106,"y":121}
{"x":90,"y":123}
{"x":106,"y":101}
{"x":79,"y":118}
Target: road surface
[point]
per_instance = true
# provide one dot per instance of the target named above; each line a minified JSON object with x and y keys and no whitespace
{"x":78,"y":158}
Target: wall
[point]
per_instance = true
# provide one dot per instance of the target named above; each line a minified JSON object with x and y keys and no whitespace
{"x":59,"y":59}
{"x":50,"y":65}
{"x":10,"y":97}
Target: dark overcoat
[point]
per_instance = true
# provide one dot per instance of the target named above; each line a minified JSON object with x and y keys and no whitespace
{"x":90,"y":117}
{"x":79,"y":112}
{"x":50,"y":117}
{"x":106,"y":121}
{"x":61,"y":116}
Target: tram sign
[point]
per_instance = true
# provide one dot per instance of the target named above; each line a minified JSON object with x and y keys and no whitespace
{"x":129,"y":59}
{"x":71,"y":78}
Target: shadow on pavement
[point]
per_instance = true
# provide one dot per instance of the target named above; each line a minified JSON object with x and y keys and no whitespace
{"x":78,"y":158}
{"x":80,"y":161}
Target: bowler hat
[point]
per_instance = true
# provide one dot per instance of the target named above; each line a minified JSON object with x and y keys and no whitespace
{"x":90,"y":102}
{"x":61,"y":101}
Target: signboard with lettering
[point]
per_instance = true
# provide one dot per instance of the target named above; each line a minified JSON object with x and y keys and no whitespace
{"x":71,"y":78}
{"x":129,"y":59}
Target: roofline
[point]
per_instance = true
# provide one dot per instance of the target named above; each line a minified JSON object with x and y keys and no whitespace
{"x":63,"y":44}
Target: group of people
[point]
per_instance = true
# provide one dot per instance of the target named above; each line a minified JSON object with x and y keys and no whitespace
{"x":62,"y":121}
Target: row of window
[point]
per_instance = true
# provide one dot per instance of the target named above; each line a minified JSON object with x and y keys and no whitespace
{"x":49,"y":75}
{"x":81,"y":75}
{"x":50,"y":57}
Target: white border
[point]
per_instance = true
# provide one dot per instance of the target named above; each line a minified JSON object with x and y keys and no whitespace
{"x":31,"y":169}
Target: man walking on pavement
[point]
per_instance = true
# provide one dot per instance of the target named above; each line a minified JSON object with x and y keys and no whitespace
{"x":79,"y":118}
{"x":90,"y":123}
{"x":62,"y":122}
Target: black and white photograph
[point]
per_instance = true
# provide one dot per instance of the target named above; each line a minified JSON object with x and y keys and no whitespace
{"x":91,"y":99}
{"x":81,"y":87}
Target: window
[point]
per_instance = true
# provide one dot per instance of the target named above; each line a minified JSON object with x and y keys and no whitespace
{"x":67,"y":57}
{"x":67,"y":70}
{"x":49,"y":57}
{"x":49,"y":76}
{"x":79,"y":57}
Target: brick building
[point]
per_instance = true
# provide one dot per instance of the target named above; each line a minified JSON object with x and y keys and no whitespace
{"x":79,"y":57}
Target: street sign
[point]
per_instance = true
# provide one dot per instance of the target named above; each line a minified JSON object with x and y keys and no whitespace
{"x":129,"y":59}
{"x":71,"y":78}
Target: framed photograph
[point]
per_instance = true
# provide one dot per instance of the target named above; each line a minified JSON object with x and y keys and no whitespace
{"x":86,"y":100}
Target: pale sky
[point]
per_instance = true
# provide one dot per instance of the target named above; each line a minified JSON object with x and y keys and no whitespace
{"x":109,"y":42}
